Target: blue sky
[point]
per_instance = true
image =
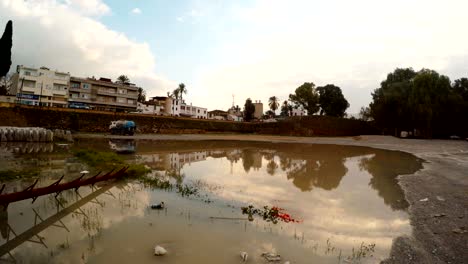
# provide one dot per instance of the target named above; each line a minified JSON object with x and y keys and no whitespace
{"x":250,"y":48}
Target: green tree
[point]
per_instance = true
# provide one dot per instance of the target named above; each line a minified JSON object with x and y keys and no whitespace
{"x":390,"y":108}
{"x":269,"y":114}
{"x":176,"y":93}
{"x":141,"y":95}
{"x":331,"y":100}
{"x":249,"y":110}
{"x":286,"y":108}
{"x":273,"y":103}
{"x":182,"y":90}
{"x":307,"y":97}
{"x":123,"y":79}
{"x":6,"y":42}
{"x":364,"y":114}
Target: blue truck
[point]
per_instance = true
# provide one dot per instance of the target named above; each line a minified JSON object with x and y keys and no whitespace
{"x":122,"y":127}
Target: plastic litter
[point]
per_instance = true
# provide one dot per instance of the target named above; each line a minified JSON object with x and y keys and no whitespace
{"x":244,"y":256}
{"x":271,"y":256}
{"x":424,"y":200}
{"x":440,"y":198}
{"x":159,"y":251}
{"x":158,"y":206}
{"x":84,"y":172}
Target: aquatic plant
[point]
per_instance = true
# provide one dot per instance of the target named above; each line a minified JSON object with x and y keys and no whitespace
{"x":109,"y":160}
{"x":8,"y":175}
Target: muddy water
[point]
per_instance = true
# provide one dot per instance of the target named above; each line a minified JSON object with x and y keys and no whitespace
{"x":346,"y":200}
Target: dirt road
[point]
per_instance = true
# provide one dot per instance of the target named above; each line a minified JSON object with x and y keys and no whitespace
{"x":437,"y":194}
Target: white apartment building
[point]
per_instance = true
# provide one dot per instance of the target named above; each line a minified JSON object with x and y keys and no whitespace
{"x":40,"y":86}
{"x":177,"y":107}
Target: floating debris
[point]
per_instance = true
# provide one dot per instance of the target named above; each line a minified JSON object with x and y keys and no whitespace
{"x":440,"y":198}
{"x":244,"y":256}
{"x":271,"y":256}
{"x":273,"y":214}
{"x":159,"y":251}
{"x":84,"y":172}
{"x":158,"y":206}
{"x":424,"y":200}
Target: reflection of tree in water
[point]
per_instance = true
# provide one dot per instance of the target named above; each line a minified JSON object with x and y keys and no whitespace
{"x":325,"y":172}
{"x":247,"y":159}
{"x":385,"y":166}
{"x":272,"y":167}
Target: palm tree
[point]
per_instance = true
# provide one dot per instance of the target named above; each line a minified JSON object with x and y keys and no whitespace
{"x":182,"y":90}
{"x":175,"y":93}
{"x":273,"y":103}
{"x":123,"y":79}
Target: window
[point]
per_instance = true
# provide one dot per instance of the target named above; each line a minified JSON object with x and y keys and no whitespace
{"x":86,"y":86}
{"x":27,"y":73}
{"x":205,"y":111}
{"x":182,"y":107}
{"x":198,"y":110}
{"x":85,"y":96}
{"x":130,"y":101}
{"x":75,"y":85}
{"x":121,"y":100}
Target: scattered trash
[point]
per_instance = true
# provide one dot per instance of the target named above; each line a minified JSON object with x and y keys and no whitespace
{"x":271,"y":256}
{"x":158,"y":206}
{"x":273,"y":214}
{"x":460,"y":230}
{"x":244,"y":256}
{"x":424,"y":200}
{"x":159,"y":251}
{"x":440,"y":198}
{"x":439,"y":215}
{"x":84,"y":172}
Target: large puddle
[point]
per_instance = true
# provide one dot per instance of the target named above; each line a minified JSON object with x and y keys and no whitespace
{"x":346,"y":201}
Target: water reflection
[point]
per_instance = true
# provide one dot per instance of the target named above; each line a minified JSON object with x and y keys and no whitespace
{"x":345,"y":196}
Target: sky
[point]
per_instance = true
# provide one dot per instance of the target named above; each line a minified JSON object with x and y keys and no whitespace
{"x":247,"y":48}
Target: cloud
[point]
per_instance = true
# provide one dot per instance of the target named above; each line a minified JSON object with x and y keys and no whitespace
{"x":180,"y":19}
{"x":89,"y":7}
{"x":136,"y":10}
{"x":58,"y":35}
{"x":193,"y":16}
{"x":279,"y":46}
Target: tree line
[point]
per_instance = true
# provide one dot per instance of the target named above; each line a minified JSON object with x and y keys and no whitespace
{"x":326,"y":100}
{"x":423,"y":103}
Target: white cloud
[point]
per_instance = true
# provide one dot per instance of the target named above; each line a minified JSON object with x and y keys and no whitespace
{"x":89,"y":7}
{"x":51,"y":33}
{"x":353,"y":44}
{"x":180,"y":19}
{"x":136,"y":10}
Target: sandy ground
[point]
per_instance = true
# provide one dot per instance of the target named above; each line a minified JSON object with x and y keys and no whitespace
{"x":437,"y":194}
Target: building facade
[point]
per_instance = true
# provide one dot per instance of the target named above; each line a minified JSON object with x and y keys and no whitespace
{"x":258,"y":114}
{"x":41,"y":87}
{"x":176,"y":107}
{"x":102,"y":94}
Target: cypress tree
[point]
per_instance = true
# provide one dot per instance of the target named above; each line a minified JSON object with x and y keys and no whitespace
{"x":6,"y":43}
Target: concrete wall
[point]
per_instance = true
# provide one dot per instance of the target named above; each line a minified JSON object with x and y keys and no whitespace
{"x":94,"y":121}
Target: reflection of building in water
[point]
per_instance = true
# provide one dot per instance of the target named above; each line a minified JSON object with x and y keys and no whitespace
{"x":168,"y":161}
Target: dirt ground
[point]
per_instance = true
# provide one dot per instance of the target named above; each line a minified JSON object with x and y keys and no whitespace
{"x":437,"y":194}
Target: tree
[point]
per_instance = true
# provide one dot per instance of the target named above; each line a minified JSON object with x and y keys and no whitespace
{"x":249,"y":110}
{"x":5,"y":84}
{"x":175,"y":93}
{"x":306,"y":96}
{"x":123,"y":79}
{"x":331,"y":100}
{"x":6,"y":42}
{"x":141,"y":95}
{"x":269,"y":114}
{"x":286,"y":109}
{"x":364,"y":114}
{"x":423,"y":101}
{"x":182,"y":90}
{"x":273,"y":103}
